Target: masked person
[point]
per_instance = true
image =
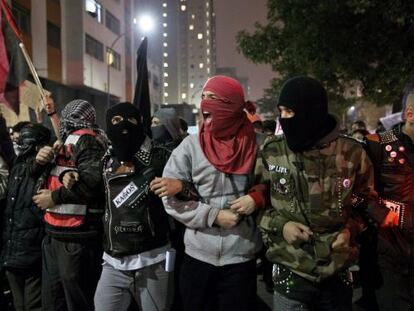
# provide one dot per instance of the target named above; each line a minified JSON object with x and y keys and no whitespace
{"x":318,"y":183}
{"x":219,"y":268}
{"x":72,"y":248}
{"x":23,"y":228}
{"x":166,"y":128}
{"x":136,"y":226}
{"x":392,"y":153}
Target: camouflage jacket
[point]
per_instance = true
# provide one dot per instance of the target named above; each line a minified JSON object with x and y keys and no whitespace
{"x":320,"y":188}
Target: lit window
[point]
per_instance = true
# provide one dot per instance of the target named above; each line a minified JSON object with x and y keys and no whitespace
{"x":208,"y":60}
{"x":165,"y":65}
{"x":208,"y":69}
{"x":208,"y":23}
{"x":208,"y":13}
{"x":165,"y":44}
{"x":183,"y":7}
{"x":191,"y":27}
{"x":166,"y":74}
{"x":208,"y":32}
{"x":165,"y":54}
{"x":165,"y":94}
{"x":164,"y":5}
{"x":164,"y":14}
{"x":208,"y":41}
{"x":165,"y":103}
{"x":208,"y":51}
{"x":191,"y":85}
{"x":165,"y":84}
{"x":165,"y":34}
{"x":192,"y":16}
{"x":200,"y":36}
{"x":201,"y":65}
{"x":207,"y":4}
{"x":183,"y":95}
{"x":165,"y":24}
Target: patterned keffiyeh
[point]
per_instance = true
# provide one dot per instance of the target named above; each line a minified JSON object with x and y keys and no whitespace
{"x":78,"y":114}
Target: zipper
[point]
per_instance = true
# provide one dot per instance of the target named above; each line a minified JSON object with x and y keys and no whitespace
{"x":109,"y":205}
{"x":150,"y":222}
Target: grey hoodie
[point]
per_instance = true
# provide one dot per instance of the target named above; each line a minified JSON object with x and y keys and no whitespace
{"x":203,"y":241}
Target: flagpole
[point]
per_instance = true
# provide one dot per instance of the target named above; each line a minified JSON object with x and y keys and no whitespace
{"x":6,"y":10}
{"x":29,"y":62}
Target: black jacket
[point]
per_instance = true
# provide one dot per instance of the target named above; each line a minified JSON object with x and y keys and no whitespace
{"x":135,"y":220}
{"x":23,"y":228}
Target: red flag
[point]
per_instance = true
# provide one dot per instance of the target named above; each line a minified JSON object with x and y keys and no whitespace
{"x":13,"y":67}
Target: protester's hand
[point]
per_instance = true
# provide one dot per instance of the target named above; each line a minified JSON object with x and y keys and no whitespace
{"x":244,"y":205}
{"x":294,"y":232}
{"x":341,"y":243}
{"x":49,"y":105}
{"x":166,"y":187}
{"x":391,"y":220}
{"x":57,"y":145}
{"x":69,"y":179}
{"x":43,"y":199}
{"x":227,"y":219}
{"x":45,"y":155}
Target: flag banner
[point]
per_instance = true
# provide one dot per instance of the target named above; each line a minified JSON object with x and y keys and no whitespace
{"x":142,"y":97}
{"x":30,"y":95}
{"x":17,"y":69}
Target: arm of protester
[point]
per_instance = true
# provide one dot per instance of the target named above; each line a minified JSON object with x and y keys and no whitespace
{"x":89,"y":153}
{"x":373,"y":149}
{"x":364,"y":197}
{"x":168,"y":187}
{"x":192,"y":213}
{"x":4,"y":176}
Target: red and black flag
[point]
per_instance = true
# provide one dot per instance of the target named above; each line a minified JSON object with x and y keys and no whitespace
{"x":13,"y":67}
{"x":142,"y":96}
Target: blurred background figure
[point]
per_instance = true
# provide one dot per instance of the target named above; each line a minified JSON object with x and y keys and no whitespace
{"x":359,"y":134}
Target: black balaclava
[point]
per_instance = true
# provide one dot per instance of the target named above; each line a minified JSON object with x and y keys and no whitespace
{"x":31,"y":137}
{"x":311,"y":122}
{"x":160,"y":134}
{"x":126,"y":137}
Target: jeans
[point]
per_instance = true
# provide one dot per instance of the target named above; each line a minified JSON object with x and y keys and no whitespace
{"x":151,"y":287}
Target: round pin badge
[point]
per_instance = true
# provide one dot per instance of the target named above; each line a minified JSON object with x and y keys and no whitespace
{"x":393,"y":154}
{"x":401,"y":148}
{"x":347,"y":183}
{"x":388,"y":147}
{"x":282,"y":181}
{"x":402,"y":161}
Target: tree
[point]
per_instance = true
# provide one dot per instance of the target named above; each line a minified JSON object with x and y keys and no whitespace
{"x":343,"y":43}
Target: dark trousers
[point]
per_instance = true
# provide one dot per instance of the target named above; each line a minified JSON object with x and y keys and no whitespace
{"x":26,"y":288}
{"x":206,"y":287}
{"x":71,"y":271}
{"x":396,"y":291}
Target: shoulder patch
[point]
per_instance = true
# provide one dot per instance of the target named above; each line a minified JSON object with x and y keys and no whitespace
{"x":387,"y":137}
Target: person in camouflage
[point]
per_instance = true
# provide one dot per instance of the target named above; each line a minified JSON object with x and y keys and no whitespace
{"x":317,"y":181}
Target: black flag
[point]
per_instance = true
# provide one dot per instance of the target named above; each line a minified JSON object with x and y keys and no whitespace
{"x":142,"y":96}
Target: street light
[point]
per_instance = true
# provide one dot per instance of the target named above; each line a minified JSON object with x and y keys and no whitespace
{"x":146,"y":24}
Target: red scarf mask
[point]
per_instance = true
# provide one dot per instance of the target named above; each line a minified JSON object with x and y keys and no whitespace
{"x":227,"y":137}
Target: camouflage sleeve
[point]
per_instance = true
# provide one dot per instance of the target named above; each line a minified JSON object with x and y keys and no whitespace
{"x":271,"y":222}
{"x":364,"y":197}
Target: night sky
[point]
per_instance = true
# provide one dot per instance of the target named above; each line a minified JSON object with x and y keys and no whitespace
{"x":232,"y":16}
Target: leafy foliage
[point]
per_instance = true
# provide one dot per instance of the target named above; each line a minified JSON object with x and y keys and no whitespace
{"x":342,"y":43}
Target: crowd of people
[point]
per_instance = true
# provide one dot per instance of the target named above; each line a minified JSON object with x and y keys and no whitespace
{"x":136,"y":218}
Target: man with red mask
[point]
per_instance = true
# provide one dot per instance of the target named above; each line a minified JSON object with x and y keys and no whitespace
{"x":221,"y":240}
